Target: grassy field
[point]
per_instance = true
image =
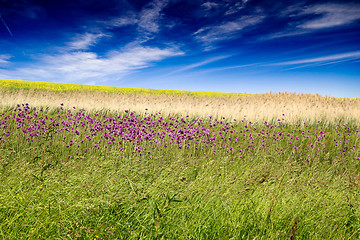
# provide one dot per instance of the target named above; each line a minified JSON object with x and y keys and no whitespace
{"x":70,"y":172}
{"x":252,"y":107}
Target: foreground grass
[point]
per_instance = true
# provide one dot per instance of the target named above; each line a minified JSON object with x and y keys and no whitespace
{"x":55,"y":189}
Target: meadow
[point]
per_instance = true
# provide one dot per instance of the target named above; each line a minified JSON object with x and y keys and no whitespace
{"x":252,"y":107}
{"x":107,"y":171}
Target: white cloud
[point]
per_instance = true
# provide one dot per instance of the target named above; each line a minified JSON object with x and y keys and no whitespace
{"x":236,"y":7}
{"x":147,"y":20}
{"x":84,"y":41}
{"x":129,"y":19}
{"x":324,"y":60}
{"x":4,"y":59}
{"x":83,"y":67}
{"x":150,"y":15}
{"x":226,"y":30}
{"x":331,"y":15}
{"x":209,"y":5}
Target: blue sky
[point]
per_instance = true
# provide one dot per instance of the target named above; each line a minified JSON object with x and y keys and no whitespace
{"x":230,"y":46}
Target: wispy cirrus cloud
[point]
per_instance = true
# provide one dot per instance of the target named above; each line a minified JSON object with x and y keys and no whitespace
{"x":244,"y":66}
{"x":130,"y":18}
{"x":300,"y":63}
{"x":317,"y":61}
{"x":150,"y":15}
{"x":207,"y":6}
{"x":4,"y":59}
{"x":308,"y":19}
{"x":199,"y":64}
{"x":84,"y":41}
{"x":236,"y":7}
{"x":224,"y":7}
{"x":330,"y":15}
{"x":147,"y":19}
{"x":227,"y":30}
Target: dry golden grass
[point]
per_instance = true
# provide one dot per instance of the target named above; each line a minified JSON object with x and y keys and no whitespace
{"x":253,"y":107}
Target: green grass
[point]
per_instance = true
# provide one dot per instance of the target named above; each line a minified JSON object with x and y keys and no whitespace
{"x":178,"y":194}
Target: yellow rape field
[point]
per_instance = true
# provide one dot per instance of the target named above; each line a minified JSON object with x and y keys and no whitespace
{"x":64,"y":87}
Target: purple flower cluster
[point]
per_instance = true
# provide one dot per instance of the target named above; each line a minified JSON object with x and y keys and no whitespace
{"x":129,"y":134}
